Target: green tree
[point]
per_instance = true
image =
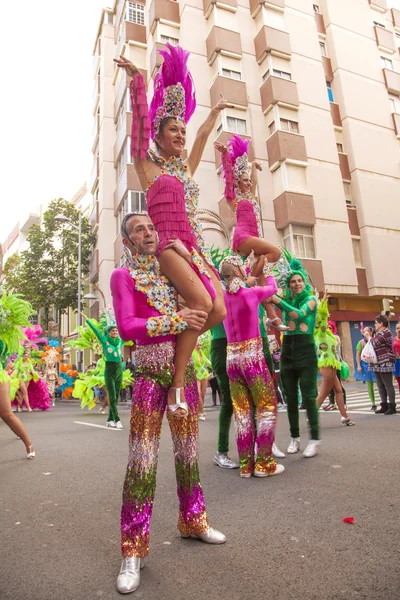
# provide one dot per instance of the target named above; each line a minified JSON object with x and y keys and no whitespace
{"x":46,"y":273}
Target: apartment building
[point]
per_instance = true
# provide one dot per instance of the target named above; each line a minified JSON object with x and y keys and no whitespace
{"x":316,"y":86}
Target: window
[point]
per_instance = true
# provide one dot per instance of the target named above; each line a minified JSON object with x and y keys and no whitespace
{"x":132,"y":201}
{"x":387,"y":63}
{"x":124,"y":157}
{"x":347,"y":193}
{"x":299,"y":240}
{"x":109,"y":18}
{"x":288,"y":125}
{"x":272,"y":128}
{"x":395,"y":103}
{"x":266,"y":75}
{"x":231,"y":74}
{"x":322,"y":46}
{"x":330,"y":93}
{"x":135,"y":13}
{"x":283,"y":74}
{"x":236,"y":125}
{"x":316,"y":8}
{"x":166,"y":39}
{"x":339,"y":148}
{"x":379,"y":24}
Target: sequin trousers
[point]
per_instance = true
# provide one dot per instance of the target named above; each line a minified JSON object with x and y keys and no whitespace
{"x":154,"y":369}
{"x":251,"y":386}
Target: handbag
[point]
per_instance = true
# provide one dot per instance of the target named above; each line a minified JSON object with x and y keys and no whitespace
{"x":368,"y":354}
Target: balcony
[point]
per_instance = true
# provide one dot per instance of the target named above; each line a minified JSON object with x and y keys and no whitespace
{"x":268,"y":40}
{"x":127,"y":181}
{"x":319,"y":21}
{"x":327,"y":66}
{"x":118,"y":251}
{"x":132,"y":32}
{"x":277,"y":90}
{"x":344,"y":166}
{"x":223,"y":138}
{"x":232,"y":90}
{"x":94,"y":175}
{"x":123,"y":132}
{"x":95,"y":132}
{"x":353,"y":221}
{"x":94,"y":267}
{"x":94,"y":217}
{"x":362,"y":282}
{"x":208,"y":5}
{"x":291,"y":207}
{"x":385,"y":39}
{"x":392,"y":80}
{"x":156,"y":60}
{"x":396,"y":17}
{"x":166,"y":11}
{"x":335,"y":112}
{"x":379,"y":5}
{"x":396,"y":122}
{"x":223,"y":41}
{"x":94,"y":310}
{"x":283,"y":145}
{"x":255,"y":5}
{"x":316,"y":273}
{"x":96,"y":59}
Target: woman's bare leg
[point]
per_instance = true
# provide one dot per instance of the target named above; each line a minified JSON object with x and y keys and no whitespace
{"x":202,"y":388}
{"x":328,"y":376}
{"x":260,"y":246}
{"x":24,"y":392}
{"x":218,"y":310}
{"x":10,"y":418}
{"x":337,"y":388}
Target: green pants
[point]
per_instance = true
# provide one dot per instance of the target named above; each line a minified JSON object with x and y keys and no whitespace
{"x":299,"y":367}
{"x":218,"y":362}
{"x":113,"y":379}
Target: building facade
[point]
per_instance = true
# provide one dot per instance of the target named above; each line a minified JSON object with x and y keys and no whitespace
{"x":316,"y":86}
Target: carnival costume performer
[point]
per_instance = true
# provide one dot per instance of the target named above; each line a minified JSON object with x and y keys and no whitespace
{"x":203,"y":368}
{"x":299,"y":356}
{"x":146,"y":311}
{"x":23,"y":373}
{"x":362,"y":372}
{"x":249,"y":378}
{"x":112,"y":349}
{"x":14,"y":314}
{"x":328,"y":362}
{"x":172,"y":195}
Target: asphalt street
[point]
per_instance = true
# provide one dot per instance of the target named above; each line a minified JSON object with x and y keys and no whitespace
{"x":59,"y":516}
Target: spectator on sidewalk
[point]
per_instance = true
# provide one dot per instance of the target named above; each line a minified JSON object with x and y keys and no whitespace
{"x":362,"y":372}
{"x":396,"y":349}
{"x":384,"y":367}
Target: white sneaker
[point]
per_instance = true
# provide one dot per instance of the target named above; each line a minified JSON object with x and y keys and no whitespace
{"x":276,"y":453}
{"x":311,"y":448}
{"x":118,"y":425}
{"x":294,"y":446}
{"x":279,"y":470}
{"x":111,"y":424}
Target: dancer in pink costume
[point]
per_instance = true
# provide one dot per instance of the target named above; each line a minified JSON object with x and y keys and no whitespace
{"x":240,"y":190}
{"x":250,"y":381}
{"x":146,"y":311}
{"x":172,"y":194}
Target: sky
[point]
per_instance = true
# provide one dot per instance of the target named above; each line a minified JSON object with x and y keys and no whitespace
{"x":45,"y":105}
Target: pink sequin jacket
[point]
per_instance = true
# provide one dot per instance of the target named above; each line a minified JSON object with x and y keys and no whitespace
{"x":242,"y":320}
{"x":132,"y":310}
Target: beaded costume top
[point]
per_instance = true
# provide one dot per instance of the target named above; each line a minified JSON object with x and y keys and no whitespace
{"x":249,"y":197}
{"x":299,"y":314}
{"x":325,"y":340}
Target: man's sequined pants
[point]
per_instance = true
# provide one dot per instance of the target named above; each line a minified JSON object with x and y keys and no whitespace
{"x":251,"y":385}
{"x":154,"y":366}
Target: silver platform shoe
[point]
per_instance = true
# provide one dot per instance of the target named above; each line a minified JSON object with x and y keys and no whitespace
{"x":129,"y":576}
{"x":209,"y":536}
{"x":221,"y":459}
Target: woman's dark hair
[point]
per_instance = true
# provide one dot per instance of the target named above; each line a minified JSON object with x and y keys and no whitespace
{"x":382,"y":319}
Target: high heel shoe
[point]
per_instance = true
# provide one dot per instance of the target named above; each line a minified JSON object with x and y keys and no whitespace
{"x":30,"y":453}
{"x":182,"y":406}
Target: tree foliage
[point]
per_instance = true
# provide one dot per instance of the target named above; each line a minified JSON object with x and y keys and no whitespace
{"x":46,"y":273}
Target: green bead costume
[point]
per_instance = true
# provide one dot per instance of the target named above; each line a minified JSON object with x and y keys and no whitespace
{"x":200,"y":355}
{"x":325,"y":341}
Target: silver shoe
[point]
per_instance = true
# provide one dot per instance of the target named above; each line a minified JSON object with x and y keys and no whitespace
{"x":294,"y":446}
{"x":221,"y":459}
{"x":276,"y":452}
{"x":209,"y":536}
{"x":129,"y":576}
{"x":179,"y":405}
{"x":347,"y":421}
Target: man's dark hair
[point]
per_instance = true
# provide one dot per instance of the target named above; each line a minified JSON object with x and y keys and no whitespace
{"x":382,"y":319}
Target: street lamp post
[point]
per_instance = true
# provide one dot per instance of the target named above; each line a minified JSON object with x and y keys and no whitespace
{"x":64,"y":219}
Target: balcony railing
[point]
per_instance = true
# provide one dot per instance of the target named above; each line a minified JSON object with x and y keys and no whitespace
{"x":223,"y":41}
{"x":232,"y":90}
{"x":268,"y":39}
{"x":276,"y":89}
{"x":295,"y":208}
{"x":283,"y":145}
{"x":255,"y":5}
{"x":163,"y":10}
{"x":344,"y":166}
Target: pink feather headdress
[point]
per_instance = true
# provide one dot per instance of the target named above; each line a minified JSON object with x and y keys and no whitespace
{"x":174,"y":92}
{"x":235,"y":162}
{"x":33,"y":338}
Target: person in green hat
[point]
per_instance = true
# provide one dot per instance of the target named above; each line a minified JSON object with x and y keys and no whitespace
{"x":112,"y":349}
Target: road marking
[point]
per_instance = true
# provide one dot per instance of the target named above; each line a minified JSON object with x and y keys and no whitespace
{"x":99,"y":426}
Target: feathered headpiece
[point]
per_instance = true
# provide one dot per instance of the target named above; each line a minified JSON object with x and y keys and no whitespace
{"x":107,"y":319}
{"x":235,"y":162}
{"x":233,"y":259}
{"x":174,"y":93}
{"x":33,"y":334}
{"x":14,"y":314}
{"x":52,"y":354}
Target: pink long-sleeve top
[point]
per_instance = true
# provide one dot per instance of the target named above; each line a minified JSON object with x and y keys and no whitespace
{"x":132,"y":310}
{"x":242,"y":320}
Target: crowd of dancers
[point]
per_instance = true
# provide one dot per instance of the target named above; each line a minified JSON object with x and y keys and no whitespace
{"x":168,"y":297}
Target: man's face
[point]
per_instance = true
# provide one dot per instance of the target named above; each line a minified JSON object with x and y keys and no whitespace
{"x":296,"y":284}
{"x":113,"y":332}
{"x":142,"y":237}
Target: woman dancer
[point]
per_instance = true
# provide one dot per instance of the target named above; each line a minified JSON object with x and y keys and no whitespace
{"x":362,"y":372}
{"x":24,"y":372}
{"x":203,"y":369}
{"x":172,"y":194}
{"x":328,"y":363}
{"x":14,"y":314}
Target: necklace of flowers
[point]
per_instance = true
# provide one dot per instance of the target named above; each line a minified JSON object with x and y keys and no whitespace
{"x":145,"y":271}
{"x":235,"y":285}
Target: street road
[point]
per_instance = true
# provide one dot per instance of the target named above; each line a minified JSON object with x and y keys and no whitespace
{"x":59,"y":516}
